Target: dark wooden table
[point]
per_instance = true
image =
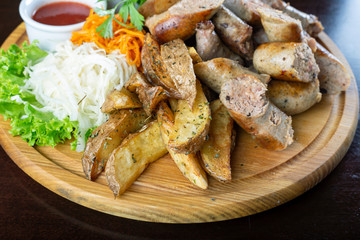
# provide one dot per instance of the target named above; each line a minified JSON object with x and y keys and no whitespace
{"x":331,"y":210}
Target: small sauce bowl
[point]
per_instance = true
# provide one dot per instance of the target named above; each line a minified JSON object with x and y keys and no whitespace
{"x":49,"y":35}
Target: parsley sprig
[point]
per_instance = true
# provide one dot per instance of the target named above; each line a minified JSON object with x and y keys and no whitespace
{"x":127,"y":9}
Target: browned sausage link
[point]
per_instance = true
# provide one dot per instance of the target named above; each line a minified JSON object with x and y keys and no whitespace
{"x":333,"y":75}
{"x":215,"y":72}
{"x":309,"y":22}
{"x":153,"y":7}
{"x":209,"y":45}
{"x":294,"y":97}
{"x":280,"y":27}
{"x":235,"y":33}
{"x":286,"y":61}
{"x":246,"y":10}
{"x":180,"y":20}
{"x":245,"y":99}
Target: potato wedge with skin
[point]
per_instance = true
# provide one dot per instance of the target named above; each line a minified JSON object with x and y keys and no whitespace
{"x":149,"y":96}
{"x":131,"y":158}
{"x":154,"y":67}
{"x":120,"y":99}
{"x":215,"y":152}
{"x":191,"y":126}
{"x":108,"y":136}
{"x":180,"y":68}
{"x":188,"y":164}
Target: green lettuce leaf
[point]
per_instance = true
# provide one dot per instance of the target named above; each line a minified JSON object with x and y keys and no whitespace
{"x":34,"y":126}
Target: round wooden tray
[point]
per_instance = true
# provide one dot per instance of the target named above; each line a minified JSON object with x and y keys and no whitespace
{"x":261,"y":179}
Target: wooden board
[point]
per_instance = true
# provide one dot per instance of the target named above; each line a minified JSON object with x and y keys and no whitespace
{"x":261,"y":179}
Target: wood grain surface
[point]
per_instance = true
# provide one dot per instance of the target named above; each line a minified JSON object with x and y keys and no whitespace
{"x":261,"y":179}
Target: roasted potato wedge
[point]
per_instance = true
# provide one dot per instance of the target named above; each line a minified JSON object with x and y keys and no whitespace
{"x":108,"y":136}
{"x":191,"y":126}
{"x":131,"y":158}
{"x":120,"y":99}
{"x":180,"y":68}
{"x":154,"y":67}
{"x":149,"y":96}
{"x":215,"y":152}
{"x":194,"y":55}
{"x":188,"y":164}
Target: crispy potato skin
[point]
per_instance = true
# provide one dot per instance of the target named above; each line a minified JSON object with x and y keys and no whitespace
{"x":191,"y":126}
{"x":154,"y":68}
{"x":131,"y":158}
{"x":149,"y":96}
{"x":117,"y":100}
{"x":294,"y":97}
{"x":108,"y":136}
{"x":152,"y":7}
{"x":188,"y":164}
{"x":177,"y":59}
{"x":215,"y":152}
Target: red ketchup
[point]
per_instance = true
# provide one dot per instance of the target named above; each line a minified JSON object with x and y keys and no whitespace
{"x":62,"y":13}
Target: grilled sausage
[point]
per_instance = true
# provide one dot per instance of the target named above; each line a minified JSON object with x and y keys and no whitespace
{"x":214,"y":73}
{"x":333,"y":76}
{"x":294,"y":97}
{"x":180,"y":20}
{"x":280,"y":27}
{"x":153,"y":7}
{"x":309,"y":22}
{"x":235,"y":33}
{"x":286,"y":61}
{"x":245,"y":99}
{"x":246,"y":9}
{"x":209,"y":45}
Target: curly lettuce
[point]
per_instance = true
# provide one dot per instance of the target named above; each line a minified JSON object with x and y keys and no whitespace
{"x":21,"y":107}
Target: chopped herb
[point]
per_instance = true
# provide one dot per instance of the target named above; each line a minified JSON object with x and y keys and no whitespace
{"x":132,"y":157}
{"x":217,"y":155}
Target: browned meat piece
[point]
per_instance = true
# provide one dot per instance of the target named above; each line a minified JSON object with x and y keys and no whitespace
{"x":180,"y":20}
{"x":235,"y":33}
{"x":309,"y":22}
{"x":177,"y":59}
{"x":246,"y":9}
{"x":294,"y":97}
{"x":152,"y":7}
{"x":333,"y":75}
{"x":279,"y":27}
{"x":154,"y":68}
{"x":286,"y":61}
{"x":214,"y":73}
{"x":149,"y":96}
{"x":209,"y":45}
{"x":277,"y":4}
{"x":246,"y":101}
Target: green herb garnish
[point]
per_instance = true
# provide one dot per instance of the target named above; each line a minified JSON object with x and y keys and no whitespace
{"x":127,"y":9}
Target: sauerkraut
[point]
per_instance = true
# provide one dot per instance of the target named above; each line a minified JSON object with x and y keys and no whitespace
{"x":74,"y":81}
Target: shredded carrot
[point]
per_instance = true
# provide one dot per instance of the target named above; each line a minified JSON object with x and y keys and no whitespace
{"x":128,"y":41}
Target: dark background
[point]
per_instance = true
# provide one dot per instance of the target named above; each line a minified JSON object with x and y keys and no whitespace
{"x":331,"y":210}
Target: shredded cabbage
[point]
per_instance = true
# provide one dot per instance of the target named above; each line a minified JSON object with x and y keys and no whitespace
{"x":74,"y":81}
